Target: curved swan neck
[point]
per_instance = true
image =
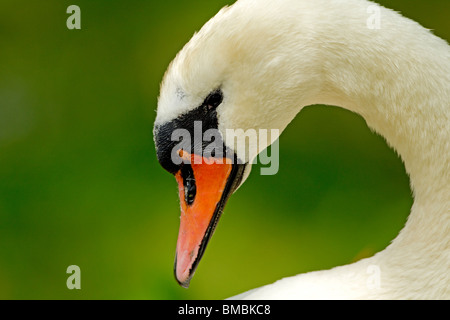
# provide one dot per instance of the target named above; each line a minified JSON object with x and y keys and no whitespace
{"x":397,"y":77}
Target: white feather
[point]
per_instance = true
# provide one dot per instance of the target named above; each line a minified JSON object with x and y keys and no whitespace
{"x":274,"y":57}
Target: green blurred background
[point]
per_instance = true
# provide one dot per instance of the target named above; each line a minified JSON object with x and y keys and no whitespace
{"x":80,"y":183}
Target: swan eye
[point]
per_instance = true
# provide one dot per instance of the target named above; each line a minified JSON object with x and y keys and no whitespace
{"x":213,"y":100}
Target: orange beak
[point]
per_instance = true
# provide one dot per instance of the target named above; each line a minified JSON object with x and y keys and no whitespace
{"x":204,"y":186}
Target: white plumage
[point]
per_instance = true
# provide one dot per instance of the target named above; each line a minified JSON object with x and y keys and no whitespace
{"x":273,"y":57}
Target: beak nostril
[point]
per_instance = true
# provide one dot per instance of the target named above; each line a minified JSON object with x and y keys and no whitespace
{"x":190,"y":188}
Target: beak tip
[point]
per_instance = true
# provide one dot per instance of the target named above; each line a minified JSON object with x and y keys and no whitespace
{"x":183,"y":278}
{"x":184,"y":284}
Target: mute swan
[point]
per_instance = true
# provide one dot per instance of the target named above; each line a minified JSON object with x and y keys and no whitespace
{"x":255,"y":65}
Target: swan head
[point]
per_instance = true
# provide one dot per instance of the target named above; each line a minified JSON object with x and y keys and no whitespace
{"x":231,"y":77}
